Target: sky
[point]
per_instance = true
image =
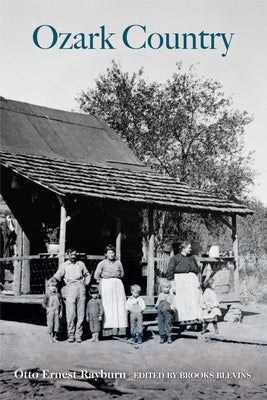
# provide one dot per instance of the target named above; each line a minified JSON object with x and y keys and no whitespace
{"x":55,"y":77}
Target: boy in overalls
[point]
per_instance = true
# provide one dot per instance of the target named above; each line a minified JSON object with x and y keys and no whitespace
{"x":94,"y":313}
{"x":52,"y":302}
{"x":165,"y":306}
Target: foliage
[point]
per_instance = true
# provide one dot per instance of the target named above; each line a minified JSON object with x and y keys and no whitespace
{"x":253,"y":278}
{"x":253,"y":231}
{"x":208,"y":230}
{"x":185,"y":127}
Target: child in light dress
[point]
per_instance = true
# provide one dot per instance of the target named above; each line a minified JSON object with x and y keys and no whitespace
{"x":136,"y":305}
{"x":210,"y":307}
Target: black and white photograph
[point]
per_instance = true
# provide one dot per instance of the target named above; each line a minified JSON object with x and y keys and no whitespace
{"x":133,"y":203}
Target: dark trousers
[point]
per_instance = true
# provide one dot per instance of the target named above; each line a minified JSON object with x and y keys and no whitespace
{"x":165,"y":316}
{"x":136,"y":322}
{"x":94,"y":324}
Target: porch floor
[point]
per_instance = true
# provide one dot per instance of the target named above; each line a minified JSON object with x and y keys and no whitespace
{"x":22,"y":298}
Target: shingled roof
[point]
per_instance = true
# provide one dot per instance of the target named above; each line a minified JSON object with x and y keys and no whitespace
{"x":77,"y":154}
{"x":144,"y":188}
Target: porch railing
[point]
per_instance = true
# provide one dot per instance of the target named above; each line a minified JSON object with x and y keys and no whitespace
{"x":28,"y":274}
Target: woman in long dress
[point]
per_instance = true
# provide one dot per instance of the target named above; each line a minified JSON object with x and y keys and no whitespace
{"x":109,"y":273}
{"x":183,"y":271}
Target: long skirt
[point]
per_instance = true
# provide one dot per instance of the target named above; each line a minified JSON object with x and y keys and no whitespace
{"x":114,"y":304}
{"x":188,"y":297}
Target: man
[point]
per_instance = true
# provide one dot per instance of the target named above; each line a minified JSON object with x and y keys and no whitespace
{"x":76,"y":277}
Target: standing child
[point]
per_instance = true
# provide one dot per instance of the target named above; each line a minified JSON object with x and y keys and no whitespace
{"x":210,"y":307}
{"x":52,"y":302}
{"x":136,"y":305}
{"x":94,"y":313}
{"x":165,"y":306}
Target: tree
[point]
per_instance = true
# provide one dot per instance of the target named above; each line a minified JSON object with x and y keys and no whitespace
{"x":185,"y":127}
{"x":253,"y":231}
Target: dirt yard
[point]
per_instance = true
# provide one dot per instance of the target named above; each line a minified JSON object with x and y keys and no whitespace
{"x":189,"y":368}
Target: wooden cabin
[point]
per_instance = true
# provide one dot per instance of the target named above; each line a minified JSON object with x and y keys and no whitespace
{"x":70,"y":174}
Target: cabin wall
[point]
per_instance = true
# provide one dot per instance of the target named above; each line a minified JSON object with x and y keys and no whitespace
{"x":93,"y":225}
{"x":131,"y":247}
{"x":32,"y":206}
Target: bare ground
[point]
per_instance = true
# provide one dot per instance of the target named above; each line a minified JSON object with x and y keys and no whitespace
{"x":214,"y":370}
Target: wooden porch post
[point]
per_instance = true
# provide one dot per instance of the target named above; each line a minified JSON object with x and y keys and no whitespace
{"x":118,"y":238}
{"x":18,"y":263}
{"x":26,"y":273}
{"x":62,"y":235}
{"x":235,"y":252}
{"x":151,"y":250}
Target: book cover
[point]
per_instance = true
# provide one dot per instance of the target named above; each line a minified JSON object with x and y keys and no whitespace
{"x":52,"y":54}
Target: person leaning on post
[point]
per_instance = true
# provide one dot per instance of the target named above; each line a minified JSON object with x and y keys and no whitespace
{"x":76,"y":277}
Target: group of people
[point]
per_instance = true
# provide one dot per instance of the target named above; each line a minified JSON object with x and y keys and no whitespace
{"x":107,"y":309}
{"x":111,"y":308}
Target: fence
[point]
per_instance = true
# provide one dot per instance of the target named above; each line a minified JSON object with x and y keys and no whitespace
{"x":162,"y":259}
{"x":40,"y":267}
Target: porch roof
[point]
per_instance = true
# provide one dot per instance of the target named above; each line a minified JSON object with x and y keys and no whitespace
{"x":146,"y":188}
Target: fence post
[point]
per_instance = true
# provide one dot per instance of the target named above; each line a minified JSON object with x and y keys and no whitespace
{"x":235,"y":251}
{"x":62,"y":235}
{"x":17,"y":263}
{"x":26,"y":273}
{"x":151,"y":250}
{"x":118,"y":238}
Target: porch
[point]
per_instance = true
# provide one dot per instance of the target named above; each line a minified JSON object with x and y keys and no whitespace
{"x":90,"y":204}
{"x":32,"y":272}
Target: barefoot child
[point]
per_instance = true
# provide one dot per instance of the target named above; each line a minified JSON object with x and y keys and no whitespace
{"x":210,"y":307}
{"x":165,"y":306}
{"x":94,"y":313}
{"x":136,"y":305}
{"x":52,"y":302}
